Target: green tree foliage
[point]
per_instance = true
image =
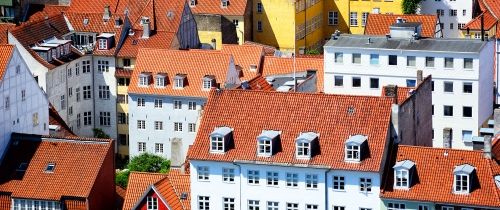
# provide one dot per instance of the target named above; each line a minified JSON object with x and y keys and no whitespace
{"x":98,"y":133}
{"x":312,"y":52}
{"x":122,"y":178}
{"x":145,"y":162}
{"x":410,"y":6}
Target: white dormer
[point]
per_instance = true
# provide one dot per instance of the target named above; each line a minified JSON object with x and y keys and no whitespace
{"x":144,"y":79}
{"x":224,"y":3}
{"x":179,"y":80}
{"x":402,"y":174}
{"x":220,"y":138}
{"x":304,"y":145}
{"x":267,"y":142}
{"x":253,"y":67}
{"x":462,"y":181}
{"x":208,"y":82}
{"x":160,"y":80}
{"x":353,"y":148}
{"x":192,"y":3}
{"x":497,"y":180}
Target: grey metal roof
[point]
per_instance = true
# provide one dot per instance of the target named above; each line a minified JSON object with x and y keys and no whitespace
{"x":357,"y":139}
{"x":268,"y":134}
{"x":407,"y":164}
{"x":434,"y":45}
{"x":487,"y":130}
{"x":309,"y":136}
{"x":465,"y":168}
{"x":221,"y":131}
{"x":406,"y":24}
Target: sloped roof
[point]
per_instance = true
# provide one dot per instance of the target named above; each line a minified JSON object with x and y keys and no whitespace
{"x":83,"y":6}
{"x":40,"y":12}
{"x":378,"y":24}
{"x":55,"y":119}
{"x":268,"y":49}
{"x":434,"y":167}
{"x":403,"y":93}
{"x":286,"y":112}
{"x":244,"y":56}
{"x":4,"y":28}
{"x":171,"y":188}
{"x":281,"y":65}
{"x":235,"y":7}
{"x":475,"y":24}
{"x":5,"y":55}
{"x":257,"y":83}
{"x":74,"y":175}
{"x":195,"y":64}
{"x":132,"y":44}
{"x":494,"y":7}
{"x":181,"y":184}
{"x":139,"y":182}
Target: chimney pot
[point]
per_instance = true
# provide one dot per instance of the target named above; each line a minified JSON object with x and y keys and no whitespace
{"x":107,"y":14}
{"x":420,"y":77}
{"x":487,"y":147}
{"x":392,"y":91}
{"x":447,"y":137}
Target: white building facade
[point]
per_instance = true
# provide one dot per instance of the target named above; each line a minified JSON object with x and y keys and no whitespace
{"x":461,"y":71}
{"x":453,"y":14}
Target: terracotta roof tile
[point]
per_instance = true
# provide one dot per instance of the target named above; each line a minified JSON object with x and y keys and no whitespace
{"x":494,"y":7}
{"x":280,"y":65}
{"x":95,"y":22}
{"x":97,"y":6}
{"x":475,"y":24}
{"x":138,"y":182}
{"x":257,"y":83}
{"x":244,"y":56}
{"x":194,"y":63}
{"x":4,"y":29}
{"x":268,"y":50}
{"x":378,"y":24}
{"x":73,"y":175}
{"x":132,"y":44}
{"x":5,"y":201}
{"x":5,"y":55}
{"x":75,"y":205}
{"x":403,"y":93}
{"x":235,"y":7}
{"x":434,"y":167}
{"x":120,"y":72}
{"x":181,"y":183}
{"x":286,"y":112}
{"x":40,"y":12}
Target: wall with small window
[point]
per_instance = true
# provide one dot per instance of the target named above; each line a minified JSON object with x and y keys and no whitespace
{"x":354,"y":189}
{"x":403,"y":204}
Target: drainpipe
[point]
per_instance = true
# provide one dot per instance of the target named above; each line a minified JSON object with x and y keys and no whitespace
{"x":241,"y":174}
{"x":326,"y":188}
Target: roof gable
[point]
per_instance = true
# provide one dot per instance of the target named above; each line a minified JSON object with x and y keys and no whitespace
{"x":245,"y":56}
{"x":378,"y":24}
{"x":280,"y":65}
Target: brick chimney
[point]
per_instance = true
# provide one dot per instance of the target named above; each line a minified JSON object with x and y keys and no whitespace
{"x":420,"y":77}
{"x":107,"y":14}
{"x":487,"y":147}
{"x":496,"y":117}
{"x":392,"y":91}
{"x":447,"y":137}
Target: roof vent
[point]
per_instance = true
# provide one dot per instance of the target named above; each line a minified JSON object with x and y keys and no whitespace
{"x":245,"y":85}
{"x":85,"y":21}
{"x":107,"y":14}
{"x":22,"y":167}
{"x":400,"y":20}
{"x":184,"y":195}
{"x":351,"y":110}
{"x":170,"y":15}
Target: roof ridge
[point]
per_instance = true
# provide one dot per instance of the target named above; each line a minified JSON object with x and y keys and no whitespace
{"x":439,"y":148}
{"x":300,"y":93}
{"x":489,"y":9}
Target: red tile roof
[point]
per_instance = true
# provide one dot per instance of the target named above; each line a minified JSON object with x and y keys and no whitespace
{"x":5,"y":55}
{"x":235,"y":7}
{"x":120,"y":72}
{"x":83,"y":6}
{"x":181,"y":184}
{"x":46,"y":11}
{"x":434,"y":167}
{"x":378,"y":24}
{"x":55,"y":119}
{"x":74,"y":175}
{"x":475,"y":24}
{"x":4,"y":29}
{"x":132,"y":44}
{"x":403,"y":93}
{"x":244,"y":56}
{"x":241,"y":110}
{"x":75,"y":205}
{"x":5,"y":201}
{"x":494,"y":7}
{"x":280,"y":65}
{"x":258,"y":83}
{"x":195,"y":64}
{"x":269,"y":50}
{"x":138,"y":182}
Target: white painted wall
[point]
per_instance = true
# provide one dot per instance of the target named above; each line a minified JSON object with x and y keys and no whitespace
{"x":19,"y":116}
{"x":105,"y":105}
{"x":430,"y":7}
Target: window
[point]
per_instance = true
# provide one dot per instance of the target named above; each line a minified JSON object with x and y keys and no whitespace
{"x":374,"y":83}
{"x":141,"y":102}
{"x":50,"y":167}
{"x":467,"y":111}
{"x":102,"y":66}
{"x":467,"y":87}
{"x":448,"y":63}
{"x":77,"y":69}
{"x":338,"y":81}
{"x":411,"y":83}
{"x":311,"y":181}
{"x":177,"y":104}
{"x":338,"y":183}
{"x":143,"y":80}
{"x":141,"y":146}
{"x":152,"y":201}
{"x":70,"y":72}
{"x":217,"y":144}
{"x":259,"y":7}
{"x":122,"y":99}
{"x":178,"y":126}
{"x":191,"y":105}
{"x":78,"y":120}
{"x":356,"y":82}
{"x":87,"y":92}
{"x":365,"y":184}
{"x":292,"y":206}
{"x":440,"y":12}
{"x":160,"y":81}
{"x":70,"y":110}
{"x":228,"y":175}
{"x":451,"y":26}
{"x":224,"y":3}
{"x":105,"y":118}
{"x":253,"y":205}
{"x":423,"y":207}
{"x":63,"y":102}
{"x":393,"y":60}
{"x":447,"y":208}
{"x":70,"y":92}
{"x":87,"y":118}
{"x":356,"y":58}
{"x":126,"y":62}
{"x":353,"y":19}
{"x":158,"y":103}
{"x":339,"y":57}
{"x":23,"y":95}
{"x":401,"y":178}
{"x":364,"y":16}
{"x":365,"y":209}
{"x":374,"y":59}
{"x":429,"y":61}
{"x":453,"y":12}
{"x":272,"y":205}
{"x":333,"y":18}
{"x":448,"y":111}
{"x":203,"y":173}
{"x":203,"y":203}
{"x":396,"y":206}
{"x":265,"y":147}
{"x":34,"y":118}
{"x":103,"y":46}
{"x":311,"y":207}
{"x":303,"y":149}
{"x":253,"y":177}
{"x":411,"y":61}
{"x":292,"y":179}
{"x":477,"y":36}
{"x":86,"y":66}
{"x":191,"y":127}
{"x":338,"y":207}
{"x":259,"y":26}
{"x":122,"y":118}
{"x":448,"y":87}
{"x":461,"y":183}
{"x":461,"y":25}
{"x":272,"y":178}
{"x":466,"y":135}
{"x":228,"y":203}
{"x":464,"y":12}
{"x":352,"y":153}
{"x":104,"y":92}
{"x":141,"y":124}
{"x":468,"y":63}
{"x":158,"y":125}
{"x":123,"y":81}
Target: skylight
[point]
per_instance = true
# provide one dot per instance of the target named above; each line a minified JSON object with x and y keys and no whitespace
{"x":50,"y":167}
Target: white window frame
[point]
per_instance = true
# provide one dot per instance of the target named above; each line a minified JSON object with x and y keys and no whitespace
{"x":303,"y":149}
{"x":353,"y":152}
{"x":396,"y":206}
{"x":152,"y":203}
{"x":203,"y":173}
{"x":228,"y":203}
{"x":158,"y":125}
{"x":141,"y":146}
{"x":191,"y":127}
{"x":203,"y":203}
{"x":177,"y":104}
{"x":228,"y":175}
{"x":103,"y":43}
{"x":141,"y":102}
{"x":353,"y":19}
{"x":292,"y":179}
{"x":217,"y":144}
{"x":365,"y":185}
{"x":253,"y":205}
{"x":338,"y":183}
{"x":178,"y":126}
{"x":265,"y":147}
{"x":160,"y":81}
{"x":143,"y":80}
{"x":141,"y":124}
{"x":158,"y":103}
{"x":191,"y":105}
{"x":272,"y":178}
{"x":158,"y":147}
{"x":311,"y":181}
{"x":253,"y":177}
{"x":401,"y":178}
{"x":461,"y":188}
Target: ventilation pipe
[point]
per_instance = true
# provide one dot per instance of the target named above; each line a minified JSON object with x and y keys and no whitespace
{"x":447,"y":136}
{"x":420,"y":77}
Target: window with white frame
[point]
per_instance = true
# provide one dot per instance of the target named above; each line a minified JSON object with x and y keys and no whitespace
{"x":102,"y":66}
{"x":253,"y":177}
{"x":158,"y":125}
{"x":292,"y":206}
{"x":87,"y":92}
{"x":292,"y":179}
{"x":339,"y":57}
{"x":143,"y":80}
{"x":207,"y":83}
{"x":395,"y":206}
{"x":77,"y":92}
{"x":253,"y":205}
{"x":203,"y":173}
{"x":18,"y":204}
{"x":461,"y":183}
{"x":365,"y":184}
{"x":447,"y":208}
{"x":86,"y":66}
{"x":103,"y":44}
{"x":217,"y":144}
{"x":353,"y":19}
{"x":364,"y":16}
{"x":178,"y":126}
{"x":141,"y":102}
{"x":338,"y":183}
{"x":104,"y":92}
{"x":365,"y":209}
{"x":141,"y":124}
{"x":87,"y":118}
{"x":158,"y":148}
{"x":265,"y":147}
{"x":333,"y":18}
{"x":160,"y":81}
{"x":423,"y":207}
{"x":352,"y":152}
{"x":272,"y":205}
{"x":228,"y":175}
{"x":401,"y":178}
{"x":70,"y":72}
{"x":141,"y":146}
{"x":468,"y":63}
{"x":191,"y":127}
{"x":77,"y":69}
{"x":203,"y":203}
{"x":158,"y":103}
{"x":105,"y":118}
{"x":303,"y":149}
{"x":177,"y":104}
{"x":191,"y":105}
{"x":70,"y":92}
{"x":152,"y":203}
{"x":228,"y":203}
{"x":311,"y":207}
{"x":338,"y":207}
{"x":224,"y":3}
{"x":272,"y":178}
{"x":311,"y":181}
{"x":179,"y":82}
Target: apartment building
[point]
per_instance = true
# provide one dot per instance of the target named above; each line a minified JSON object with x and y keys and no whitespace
{"x":454,"y":15}
{"x":23,"y":105}
{"x":461,"y":71}
{"x":167,"y":93}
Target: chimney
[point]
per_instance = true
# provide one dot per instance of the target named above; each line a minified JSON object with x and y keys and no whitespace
{"x":496,"y":118}
{"x":392,"y":91}
{"x":482,"y":27}
{"x":420,"y":77}
{"x":447,"y":136}
{"x":399,"y":20}
{"x":214,"y":44}
{"x":487,"y":147}
{"x":107,"y":14}
{"x":146,"y":27}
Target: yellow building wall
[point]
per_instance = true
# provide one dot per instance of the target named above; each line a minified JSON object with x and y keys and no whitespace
{"x":240,"y":29}
{"x":123,"y":150}
{"x":314,"y":39}
{"x":278,"y":23}
{"x":207,"y":36}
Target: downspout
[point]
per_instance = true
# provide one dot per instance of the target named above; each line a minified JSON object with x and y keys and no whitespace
{"x":326,"y":188}
{"x":93,"y":93}
{"x":241,"y":173}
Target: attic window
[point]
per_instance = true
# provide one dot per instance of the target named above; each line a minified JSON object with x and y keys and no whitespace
{"x":265,"y":142}
{"x":219,"y":139}
{"x":497,"y":180}
{"x":463,"y":178}
{"x":208,"y":82}
{"x":143,"y":80}
{"x":353,"y":147}
{"x":304,"y":145}
{"x":85,"y":21}
{"x":224,"y":3}
{"x":253,"y":67}
{"x":131,"y":32}
{"x":402,"y":174}
{"x":179,"y":80}
{"x":192,"y":3}
{"x":22,"y":167}
{"x":170,"y":15}
{"x":160,"y":80}
{"x":50,"y":167}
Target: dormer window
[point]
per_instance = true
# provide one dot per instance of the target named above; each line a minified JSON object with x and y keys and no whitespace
{"x":219,"y":139}
{"x":103,"y":44}
{"x":304,"y":145}
{"x":402,"y":172}
{"x":160,"y":80}
{"x":462,"y":178}
{"x":50,"y":168}
{"x":179,"y":80}
{"x":253,"y":68}
{"x":192,"y":3}
{"x":353,"y":148}
{"x":208,"y":82}
{"x":266,"y":142}
{"x":224,"y":3}
{"x":144,"y":80}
